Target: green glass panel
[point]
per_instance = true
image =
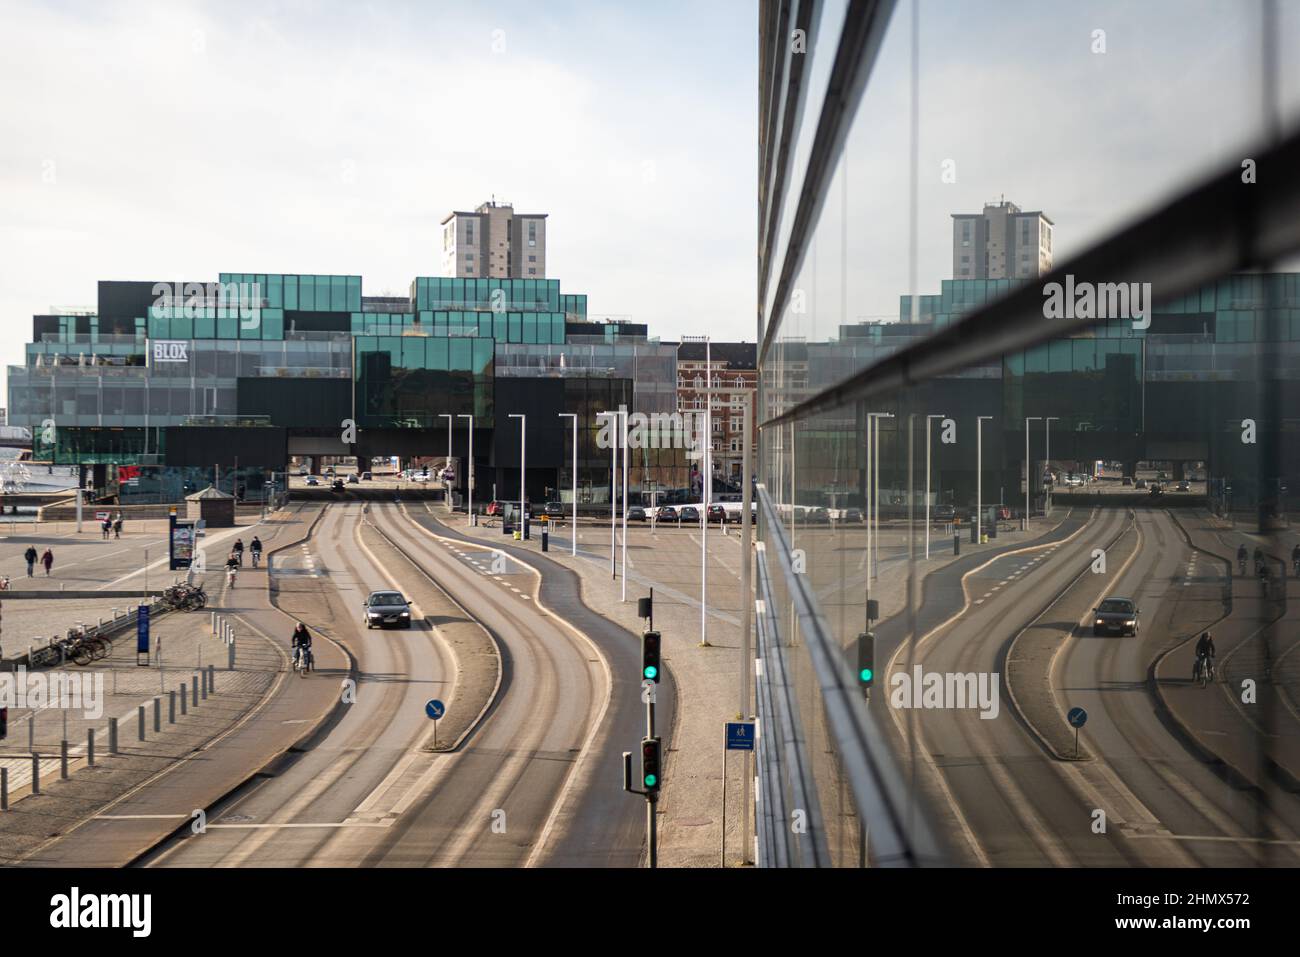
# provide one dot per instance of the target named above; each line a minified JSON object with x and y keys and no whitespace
{"x":306,"y":293}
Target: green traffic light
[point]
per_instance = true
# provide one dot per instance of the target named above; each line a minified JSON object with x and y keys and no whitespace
{"x":865,"y":674}
{"x":650,"y":780}
{"x":651,"y":671}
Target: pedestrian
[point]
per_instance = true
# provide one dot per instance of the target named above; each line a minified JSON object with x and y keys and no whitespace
{"x":30,"y":555}
{"x":48,"y":561}
{"x":117,"y":526}
{"x":106,"y":527}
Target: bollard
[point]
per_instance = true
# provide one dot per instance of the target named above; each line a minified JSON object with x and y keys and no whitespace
{"x":546,"y":540}
{"x":171,"y":707}
{"x":90,"y":747}
{"x":214,"y":622}
{"x":157,"y":715}
{"x":112,"y":735}
{"x":31,"y":730}
{"x":194,"y":690}
{"x":184,"y":710}
{"x":141,"y":717}
{"x":63,"y":759}
{"x":230,"y":662}
{"x":527,"y":524}
{"x":212,"y":678}
{"x":4,"y":789}
{"x":956,"y":544}
{"x":36,"y":773}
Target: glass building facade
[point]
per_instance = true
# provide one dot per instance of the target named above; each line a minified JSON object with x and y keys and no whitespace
{"x":882,"y":400}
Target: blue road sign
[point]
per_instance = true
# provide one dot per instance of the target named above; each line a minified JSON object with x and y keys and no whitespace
{"x":435,"y":709}
{"x":740,"y":736}
{"x":1077,"y":717}
{"x":142,"y":629}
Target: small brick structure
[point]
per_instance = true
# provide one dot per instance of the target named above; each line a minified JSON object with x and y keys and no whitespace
{"x":214,"y":506}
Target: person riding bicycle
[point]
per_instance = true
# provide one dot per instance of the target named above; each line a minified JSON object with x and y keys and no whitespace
{"x":232,"y":566}
{"x":239,"y":550}
{"x":255,"y":546}
{"x":1295,"y":555}
{"x":1259,"y":557}
{"x":1241,"y":553}
{"x":300,"y":641}
{"x":1205,"y":651}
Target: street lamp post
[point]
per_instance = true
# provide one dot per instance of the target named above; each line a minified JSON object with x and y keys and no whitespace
{"x":523,"y":452}
{"x":927,"y":482}
{"x":574,"y":534}
{"x":446,"y":490}
{"x":979,"y":476}
{"x":1028,"y":479}
{"x":613,"y":498}
{"x":875,"y":563}
{"x":623,"y":411}
{"x":469,"y":472}
{"x":1047,"y":453}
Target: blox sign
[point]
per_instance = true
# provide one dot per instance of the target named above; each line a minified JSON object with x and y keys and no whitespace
{"x":171,"y":350}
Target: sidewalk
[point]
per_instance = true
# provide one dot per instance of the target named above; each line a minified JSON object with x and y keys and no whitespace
{"x":108,"y":815}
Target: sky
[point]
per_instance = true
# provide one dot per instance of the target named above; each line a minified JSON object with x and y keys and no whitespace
{"x":157,"y":140}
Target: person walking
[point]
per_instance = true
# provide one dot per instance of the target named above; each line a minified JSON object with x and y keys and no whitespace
{"x":117,"y":526}
{"x":106,"y":527}
{"x":48,"y":561}
{"x":30,"y":556}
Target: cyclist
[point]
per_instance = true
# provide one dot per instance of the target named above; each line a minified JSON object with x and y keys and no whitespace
{"x":1205,"y":653}
{"x":301,"y":642}
{"x":1295,"y":558}
{"x":1259,"y":558}
{"x":1263,"y":576}
{"x":239,"y":551}
{"x":232,"y":567}
{"x":255,"y":546}
{"x":1241,"y":557}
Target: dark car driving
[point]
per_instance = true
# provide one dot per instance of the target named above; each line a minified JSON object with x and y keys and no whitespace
{"x":1116,"y":616}
{"x":384,"y":608}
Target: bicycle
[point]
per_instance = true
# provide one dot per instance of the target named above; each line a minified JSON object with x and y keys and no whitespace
{"x":1241,"y":566}
{"x":230,"y":578}
{"x":51,"y":654}
{"x":303,"y":660}
{"x":257,"y":557}
{"x":1203,"y":670}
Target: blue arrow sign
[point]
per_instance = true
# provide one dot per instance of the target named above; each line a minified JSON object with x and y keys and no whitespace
{"x":1077,"y":717}
{"x":740,"y":736}
{"x":435,"y":709}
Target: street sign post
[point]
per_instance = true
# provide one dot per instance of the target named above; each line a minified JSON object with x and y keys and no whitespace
{"x":142,"y":635}
{"x":737,"y":736}
{"x":435,"y":709}
{"x":1077,"y":718}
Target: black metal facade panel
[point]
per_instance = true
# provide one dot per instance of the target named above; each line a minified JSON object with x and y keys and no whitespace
{"x":217,"y":445}
{"x":296,"y":402}
{"x":542,"y":401}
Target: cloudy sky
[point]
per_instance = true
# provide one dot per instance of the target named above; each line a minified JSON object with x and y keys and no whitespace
{"x":150,"y":140}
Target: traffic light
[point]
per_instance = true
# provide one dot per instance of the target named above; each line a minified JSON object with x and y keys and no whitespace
{"x":650,"y":656}
{"x":651,"y":764}
{"x":866,"y":659}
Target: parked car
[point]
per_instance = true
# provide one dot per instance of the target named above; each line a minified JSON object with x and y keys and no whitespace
{"x":367,"y":477}
{"x":337,"y":485}
{"x":387,"y":608}
{"x":555,"y":508}
{"x":1116,"y":616}
{"x":666,"y":513}
{"x":1184,"y":486}
{"x":635,"y":513}
{"x":353,"y":479}
{"x":717,"y":513}
{"x":1126,"y":480}
{"x":1141,"y":483}
{"x":312,"y":480}
{"x":853,"y":515}
{"x":690,"y":513}
{"x":942,"y":513}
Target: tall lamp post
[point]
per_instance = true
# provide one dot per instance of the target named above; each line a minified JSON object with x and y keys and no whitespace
{"x":928,"y":418}
{"x":1047,"y":453}
{"x":613,"y":497}
{"x":469,"y":472}
{"x":1028,"y":479}
{"x":979,"y":476}
{"x":574,"y":535}
{"x":523,"y":451}
{"x":875,"y":561}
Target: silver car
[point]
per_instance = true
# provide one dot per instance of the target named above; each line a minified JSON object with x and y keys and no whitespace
{"x":387,"y":608}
